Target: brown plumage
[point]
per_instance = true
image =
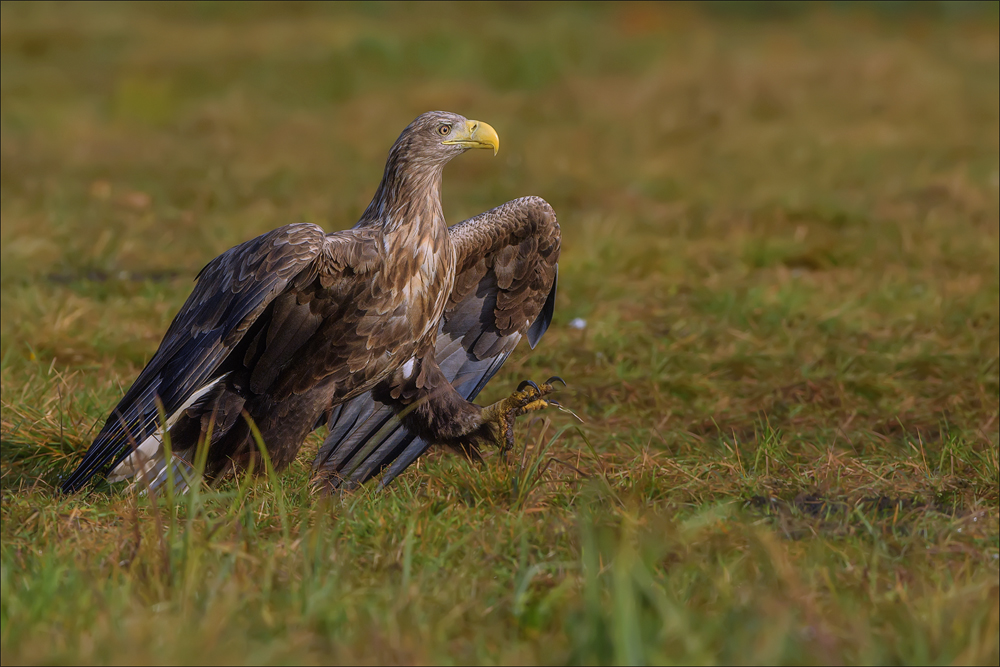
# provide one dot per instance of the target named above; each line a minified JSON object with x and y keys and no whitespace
{"x":385,"y":331}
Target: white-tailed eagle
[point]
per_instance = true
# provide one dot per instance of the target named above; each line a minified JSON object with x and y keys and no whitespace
{"x":385,"y":331}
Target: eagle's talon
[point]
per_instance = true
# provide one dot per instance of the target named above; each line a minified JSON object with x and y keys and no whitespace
{"x":528,"y":383}
{"x":556,"y":378}
{"x":528,"y":398}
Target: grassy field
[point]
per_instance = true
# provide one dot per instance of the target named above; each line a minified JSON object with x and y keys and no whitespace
{"x":780,"y":226}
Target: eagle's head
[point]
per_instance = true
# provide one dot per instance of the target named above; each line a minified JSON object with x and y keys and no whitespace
{"x":436,"y":137}
{"x":416,"y":161}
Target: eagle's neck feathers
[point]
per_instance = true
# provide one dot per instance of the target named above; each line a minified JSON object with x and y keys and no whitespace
{"x":410,"y":193}
{"x":420,"y":259}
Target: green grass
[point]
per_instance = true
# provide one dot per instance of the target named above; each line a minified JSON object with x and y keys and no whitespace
{"x":781,"y":225}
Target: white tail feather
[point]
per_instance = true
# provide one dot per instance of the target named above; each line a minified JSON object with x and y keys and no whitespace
{"x":148,"y":461}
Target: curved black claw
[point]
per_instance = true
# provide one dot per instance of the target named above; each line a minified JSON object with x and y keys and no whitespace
{"x":555,"y":403}
{"x":528,"y":383}
{"x":556,"y":378}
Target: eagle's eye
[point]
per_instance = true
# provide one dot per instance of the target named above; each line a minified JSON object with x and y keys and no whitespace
{"x":444,"y":129}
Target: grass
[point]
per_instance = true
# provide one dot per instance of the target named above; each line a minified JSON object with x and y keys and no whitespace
{"x":780,"y":226}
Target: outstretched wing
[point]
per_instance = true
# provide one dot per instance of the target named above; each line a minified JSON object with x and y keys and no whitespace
{"x":232,"y":292}
{"x":505,"y":284}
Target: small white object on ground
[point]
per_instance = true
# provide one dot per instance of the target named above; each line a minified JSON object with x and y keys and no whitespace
{"x":578,"y":323}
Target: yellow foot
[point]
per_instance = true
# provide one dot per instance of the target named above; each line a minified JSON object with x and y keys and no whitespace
{"x":529,"y":396}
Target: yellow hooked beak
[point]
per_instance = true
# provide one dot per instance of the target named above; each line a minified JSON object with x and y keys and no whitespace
{"x":475,"y":134}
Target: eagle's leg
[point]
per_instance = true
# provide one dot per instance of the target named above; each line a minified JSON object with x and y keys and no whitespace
{"x":436,"y":412}
{"x":500,"y":416}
